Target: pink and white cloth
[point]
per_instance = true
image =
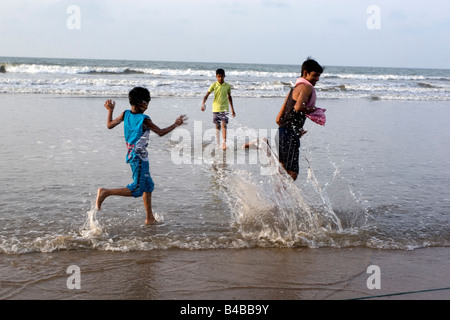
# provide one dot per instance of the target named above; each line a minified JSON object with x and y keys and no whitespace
{"x":317,"y":116}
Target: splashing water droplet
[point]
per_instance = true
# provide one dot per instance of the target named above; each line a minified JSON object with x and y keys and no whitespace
{"x":92,"y":228}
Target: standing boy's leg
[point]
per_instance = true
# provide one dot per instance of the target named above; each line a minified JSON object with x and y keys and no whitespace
{"x":224,"y":121}
{"x":218,"y":133}
{"x":148,"y":208}
{"x":224,"y":134}
{"x":216,"y":121}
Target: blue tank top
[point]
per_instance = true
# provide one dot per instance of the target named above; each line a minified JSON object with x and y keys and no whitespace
{"x":135,"y":136}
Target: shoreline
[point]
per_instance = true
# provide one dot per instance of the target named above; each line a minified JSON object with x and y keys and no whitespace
{"x":280,"y":98}
{"x":229,"y":274}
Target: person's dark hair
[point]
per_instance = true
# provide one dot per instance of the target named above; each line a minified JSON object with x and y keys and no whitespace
{"x":220,"y":71}
{"x":138,"y":95}
{"x":311,"y":65}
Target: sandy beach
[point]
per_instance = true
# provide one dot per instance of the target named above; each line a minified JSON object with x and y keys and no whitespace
{"x":247,"y":274}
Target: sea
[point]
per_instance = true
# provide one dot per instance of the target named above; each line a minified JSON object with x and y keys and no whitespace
{"x":375,"y":175}
{"x":188,"y":80}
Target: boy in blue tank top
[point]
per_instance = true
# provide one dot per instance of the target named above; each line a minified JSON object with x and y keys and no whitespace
{"x":137,"y":127}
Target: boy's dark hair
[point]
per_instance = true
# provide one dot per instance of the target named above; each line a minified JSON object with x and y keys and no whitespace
{"x":220,"y":71}
{"x":311,"y":65}
{"x":138,"y":95}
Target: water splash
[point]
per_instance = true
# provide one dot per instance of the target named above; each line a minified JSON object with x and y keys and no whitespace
{"x":273,"y":208}
{"x":92,"y":227}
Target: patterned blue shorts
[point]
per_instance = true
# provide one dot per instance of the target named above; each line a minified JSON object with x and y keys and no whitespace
{"x":142,"y":180}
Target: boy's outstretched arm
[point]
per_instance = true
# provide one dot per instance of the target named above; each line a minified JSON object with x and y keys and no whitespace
{"x":110,"y":123}
{"x":162,"y":132}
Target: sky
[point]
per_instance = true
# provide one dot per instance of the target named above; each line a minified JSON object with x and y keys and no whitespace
{"x":378,"y":33}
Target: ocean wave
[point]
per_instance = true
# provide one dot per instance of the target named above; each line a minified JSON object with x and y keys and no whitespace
{"x":426,"y":85}
{"x":383,"y":77}
{"x":115,"y":72}
{"x":254,"y":230}
{"x":190,"y":72}
{"x":163,"y":90}
{"x":333,"y":88}
{"x":164,"y":79}
{"x":68,"y":70}
{"x":173,"y":72}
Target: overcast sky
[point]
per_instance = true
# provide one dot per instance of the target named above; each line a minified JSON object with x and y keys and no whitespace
{"x":392,"y":33}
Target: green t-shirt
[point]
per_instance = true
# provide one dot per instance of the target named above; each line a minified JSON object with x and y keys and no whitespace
{"x":221,"y":92}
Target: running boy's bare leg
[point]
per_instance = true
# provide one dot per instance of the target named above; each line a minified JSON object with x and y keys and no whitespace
{"x":218,"y":133}
{"x":102,"y":194}
{"x":224,"y":135}
{"x":148,"y":208}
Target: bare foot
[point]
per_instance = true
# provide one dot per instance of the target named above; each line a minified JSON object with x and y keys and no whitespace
{"x":224,"y":146}
{"x":150,"y":222}
{"x":101,"y":196}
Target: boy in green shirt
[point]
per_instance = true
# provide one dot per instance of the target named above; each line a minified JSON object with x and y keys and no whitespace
{"x":221,"y":104}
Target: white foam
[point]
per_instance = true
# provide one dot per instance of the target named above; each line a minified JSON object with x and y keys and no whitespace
{"x":188,"y":82}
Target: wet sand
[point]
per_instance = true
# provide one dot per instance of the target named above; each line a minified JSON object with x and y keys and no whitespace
{"x":216,"y":275}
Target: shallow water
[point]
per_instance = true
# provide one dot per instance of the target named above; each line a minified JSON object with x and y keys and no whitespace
{"x":376,"y":175}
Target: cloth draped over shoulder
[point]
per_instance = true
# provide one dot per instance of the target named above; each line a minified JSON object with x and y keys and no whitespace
{"x":312,"y":100}
{"x":291,"y":118}
{"x":317,"y":116}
